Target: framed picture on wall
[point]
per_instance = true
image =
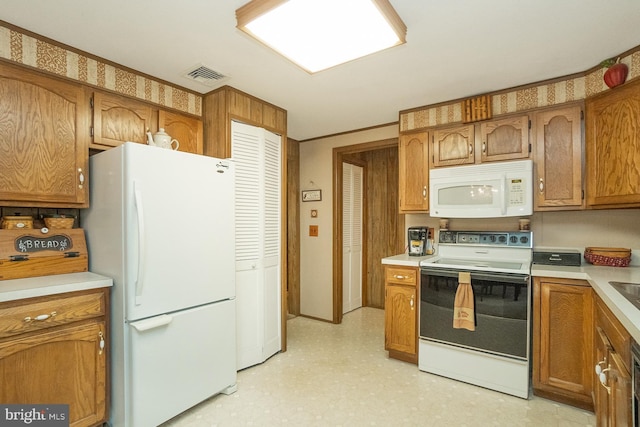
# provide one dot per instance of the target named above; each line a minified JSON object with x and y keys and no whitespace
{"x":311,"y":195}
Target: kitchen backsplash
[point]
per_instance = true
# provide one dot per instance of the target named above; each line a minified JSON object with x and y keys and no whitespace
{"x":562,"y":229}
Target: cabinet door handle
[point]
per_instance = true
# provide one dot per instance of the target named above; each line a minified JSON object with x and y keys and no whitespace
{"x":603,"y":379}
{"x":40,"y":317}
{"x":411,"y":303}
{"x":101,"y":342}
{"x":470,"y":150}
{"x":541,"y":185}
{"x":397,"y":276}
{"x":484,"y":147}
{"x":424,"y":192}
{"x":80,"y":178}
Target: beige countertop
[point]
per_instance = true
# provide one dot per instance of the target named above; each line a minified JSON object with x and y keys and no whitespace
{"x":15,"y":289}
{"x":406,"y":260}
{"x":599,"y":277}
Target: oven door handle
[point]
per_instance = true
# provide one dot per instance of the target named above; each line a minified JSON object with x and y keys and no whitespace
{"x":482,"y":275}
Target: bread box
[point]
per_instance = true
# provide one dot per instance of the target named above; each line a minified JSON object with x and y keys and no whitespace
{"x":31,"y":253}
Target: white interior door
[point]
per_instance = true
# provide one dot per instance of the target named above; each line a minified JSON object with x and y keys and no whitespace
{"x":351,"y":237}
{"x":271,"y":250}
{"x":256,"y":153}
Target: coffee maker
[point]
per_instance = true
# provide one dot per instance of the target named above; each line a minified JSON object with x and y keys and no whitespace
{"x":418,"y":240}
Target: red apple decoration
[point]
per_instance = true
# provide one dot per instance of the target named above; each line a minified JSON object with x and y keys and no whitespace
{"x":616,"y":73}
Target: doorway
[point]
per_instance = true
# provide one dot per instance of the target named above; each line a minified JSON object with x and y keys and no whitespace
{"x":383,"y":225}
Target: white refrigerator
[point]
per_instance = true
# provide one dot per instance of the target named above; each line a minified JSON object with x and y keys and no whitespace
{"x":161,"y":224}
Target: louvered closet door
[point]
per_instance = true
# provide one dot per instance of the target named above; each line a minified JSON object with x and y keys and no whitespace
{"x":351,"y":237}
{"x":271,"y":254}
{"x":256,"y":153}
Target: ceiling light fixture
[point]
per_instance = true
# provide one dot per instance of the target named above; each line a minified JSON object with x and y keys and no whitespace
{"x":319,"y":34}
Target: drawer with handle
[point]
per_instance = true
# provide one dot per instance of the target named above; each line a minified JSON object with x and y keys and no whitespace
{"x":41,"y":313}
{"x":406,"y":276}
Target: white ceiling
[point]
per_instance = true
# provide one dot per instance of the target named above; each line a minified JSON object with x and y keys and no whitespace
{"x":454,"y":49}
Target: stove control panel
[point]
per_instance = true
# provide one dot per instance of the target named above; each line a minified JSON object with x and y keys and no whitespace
{"x":520,"y":239}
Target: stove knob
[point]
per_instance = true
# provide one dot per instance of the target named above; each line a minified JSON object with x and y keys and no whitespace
{"x":513,"y":239}
{"x":502,"y":239}
{"x":524,"y":239}
{"x":492,"y":238}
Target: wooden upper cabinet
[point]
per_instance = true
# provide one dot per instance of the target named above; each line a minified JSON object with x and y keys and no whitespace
{"x":186,"y":130}
{"x":453,"y":146}
{"x":413,"y":165}
{"x":613,"y":147}
{"x":558,"y":158}
{"x":117,"y":119}
{"x":225,"y":104}
{"x":44,"y":132}
{"x":504,"y":139}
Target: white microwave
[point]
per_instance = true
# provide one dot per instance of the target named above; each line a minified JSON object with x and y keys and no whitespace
{"x":489,"y":190}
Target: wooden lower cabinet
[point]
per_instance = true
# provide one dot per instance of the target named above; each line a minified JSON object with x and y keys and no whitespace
{"x":401,"y":312}
{"x":563,"y":341}
{"x":53,"y":350}
{"x":613,"y":387}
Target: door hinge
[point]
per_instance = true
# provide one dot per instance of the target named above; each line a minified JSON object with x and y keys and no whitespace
{"x":91,"y":102}
{"x":581,"y":114}
{"x":18,"y":257}
{"x":582,"y":194}
{"x":529,"y":123}
{"x":71,"y":254}
{"x":529,"y":147}
{"x":91,"y":131}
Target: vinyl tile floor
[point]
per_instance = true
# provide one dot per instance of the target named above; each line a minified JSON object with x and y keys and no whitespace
{"x":340,"y":375}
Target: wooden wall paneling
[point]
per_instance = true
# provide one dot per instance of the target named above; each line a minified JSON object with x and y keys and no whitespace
{"x":383,"y":219}
{"x":293,"y":226}
{"x":226,"y":104}
{"x":217,"y":133}
{"x":239,"y":105}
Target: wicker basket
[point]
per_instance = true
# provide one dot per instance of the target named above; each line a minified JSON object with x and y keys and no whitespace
{"x":612,"y":257}
{"x":16,"y":222}
{"x":59,"y":222}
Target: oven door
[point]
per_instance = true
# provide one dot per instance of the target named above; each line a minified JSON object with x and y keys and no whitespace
{"x":501,"y":309}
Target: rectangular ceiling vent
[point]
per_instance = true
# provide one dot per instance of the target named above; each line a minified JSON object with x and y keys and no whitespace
{"x":205,"y":75}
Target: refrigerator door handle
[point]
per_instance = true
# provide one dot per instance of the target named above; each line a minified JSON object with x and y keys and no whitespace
{"x":141,"y":246}
{"x":153,"y":323}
